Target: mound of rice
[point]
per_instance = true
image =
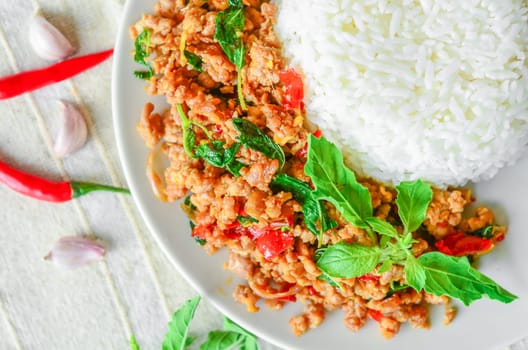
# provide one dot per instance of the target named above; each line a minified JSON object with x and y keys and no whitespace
{"x":430,"y":89}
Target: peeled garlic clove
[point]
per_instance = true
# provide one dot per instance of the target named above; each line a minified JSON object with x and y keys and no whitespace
{"x":47,"y":41}
{"x":75,"y":251}
{"x":73,"y":132}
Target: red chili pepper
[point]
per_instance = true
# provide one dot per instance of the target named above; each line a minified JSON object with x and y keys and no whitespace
{"x":369,"y":277}
{"x":289,"y":298}
{"x":375,"y":315}
{"x":201,"y":231}
{"x":294,"y":89}
{"x":19,"y":83}
{"x":460,"y":244}
{"x":318,"y":133}
{"x":273,"y":242}
{"x":218,"y":129}
{"x":46,"y":190}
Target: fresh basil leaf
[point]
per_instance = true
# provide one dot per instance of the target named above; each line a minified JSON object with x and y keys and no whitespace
{"x":343,"y":260}
{"x":384,"y":241}
{"x":413,"y":200}
{"x":252,"y":137}
{"x":188,"y":203}
{"x":325,"y":277}
{"x":246,"y":220}
{"x":189,"y":341}
{"x":176,"y":337}
{"x":141,"y":45}
{"x":194,"y":60}
{"x":382,"y":227}
{"x":414,"y":273}
{"x":386,"y":266}
{"x":228,"y":33}
{"x":396,"y":287}
{"x":133,"y":343}
{"x":215,"y":154}
{"x":229,"y":325}
{"x":336,"y":183}
{"x":313,"y":210}
{"x":235,"y":3}
{"x":454,"y":276}
{"x":189,"y":137}
{"x":222,"y":340}
{"x":485,"y":232}
{"x":250,"y":341}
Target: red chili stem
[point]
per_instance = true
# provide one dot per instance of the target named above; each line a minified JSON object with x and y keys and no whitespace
{"x":16,"y":84}
{"x":47,"y":190}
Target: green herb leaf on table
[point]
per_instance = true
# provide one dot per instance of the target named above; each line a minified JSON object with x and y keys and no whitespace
{"x":222,"y":340}
{"x":142,"y":52}
{"x":250,"y":342}
{"x":228,"y":33}
{"x":176,"y":337}
{"x":133,"y":343}
{"x":343,"y":260}
{"x":454,"y":276}
{"x":413,"y":200}
{"x":194,"y":60}
{"x":335,"y":183}
{"x":252,"y":137}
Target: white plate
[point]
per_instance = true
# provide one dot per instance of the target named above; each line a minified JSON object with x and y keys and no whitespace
{"x":484,"y":325}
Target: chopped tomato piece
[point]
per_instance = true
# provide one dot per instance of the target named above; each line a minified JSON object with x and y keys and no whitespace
{"x":271,"y":243}
{"x":460,"y":244}
{"x":294,"y":89}
{"x":318,"y":133}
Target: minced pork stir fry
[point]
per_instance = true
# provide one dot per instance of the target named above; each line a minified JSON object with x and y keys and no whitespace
{"x":298,"y":224}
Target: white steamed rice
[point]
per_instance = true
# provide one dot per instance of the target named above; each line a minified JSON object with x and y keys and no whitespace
{"x":409,"y":89}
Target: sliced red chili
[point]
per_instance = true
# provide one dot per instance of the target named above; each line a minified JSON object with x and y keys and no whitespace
{"x":202,"y":231}
{"x":369,"y":277}
{"x":293,"y":82}
{"x":375,"y":315}
{"x":460,"y":244}
{"x":289,"y":298}
{"x":318,"y":133}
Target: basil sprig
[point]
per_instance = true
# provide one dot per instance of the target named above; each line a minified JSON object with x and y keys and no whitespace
{"x":177,"y":337}
{"x":316,"y":218}
{"x":142,"y":52}
{"x":434,"y":272}
{"x":228,"y":33}
{"x":337,"y":184}
{"x":214,"y":152}
{"x":252,"y":137}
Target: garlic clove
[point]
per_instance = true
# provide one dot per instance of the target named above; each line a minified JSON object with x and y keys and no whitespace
{"x":72,"y":252}
{"x":73,"y":132}
{"x":47,"y":41}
